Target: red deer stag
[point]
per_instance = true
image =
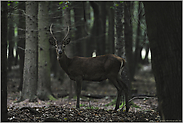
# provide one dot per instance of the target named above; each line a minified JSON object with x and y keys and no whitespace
{"x":92,"y":69}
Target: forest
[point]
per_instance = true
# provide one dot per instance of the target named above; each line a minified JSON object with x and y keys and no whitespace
{"x":51,"y":51}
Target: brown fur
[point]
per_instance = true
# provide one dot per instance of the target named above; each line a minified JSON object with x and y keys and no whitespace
{"x":92,"y":69}
{"x":95,"y":69}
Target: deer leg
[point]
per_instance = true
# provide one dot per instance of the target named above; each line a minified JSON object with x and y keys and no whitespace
{"x":78,"y":92}
{"x":123,"y":85}
{"x":114,"y":82}
{"x":118,"y":99}
{"x":126,"y":100}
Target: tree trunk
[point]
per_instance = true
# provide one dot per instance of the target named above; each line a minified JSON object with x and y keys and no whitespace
{"x":53,"y":57}
{"x":30,"y":64}
{"x":120,"y":44}
{"x":136,"y":56}
{"x":44,"y":85}
{"x":110,"y":28}
{"x":102,"y":29}
{"x":10,"y":37}
{"x":4,"y":19}
{"x":21,"y":41}
{"x":69,"y":48}
{"x":128,"y":38}
{"x":94,"y":37}
{"x":79,"y":25}
{"x":89,"y":42}
{"x":164,"y":27}
{"x":16,"y":21}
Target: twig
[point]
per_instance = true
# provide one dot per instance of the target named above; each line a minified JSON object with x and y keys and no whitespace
{"x":21,"y":48}
{"x":138,"y":98}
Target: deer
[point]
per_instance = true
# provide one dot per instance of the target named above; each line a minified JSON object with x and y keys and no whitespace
{"x":97,"y":68}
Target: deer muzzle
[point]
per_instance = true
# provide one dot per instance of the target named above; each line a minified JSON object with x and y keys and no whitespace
{"x":59,"y":52}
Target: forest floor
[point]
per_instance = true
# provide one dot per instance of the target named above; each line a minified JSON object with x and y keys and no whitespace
{"x":98,"y":108}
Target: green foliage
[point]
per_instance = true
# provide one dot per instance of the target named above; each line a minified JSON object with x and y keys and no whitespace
{"x":65,"y":118}
{"x":66,"y":97}
{"x":111,"y":7}
{"x":82,"y":105}
{"x":60,"y":3}
{"x":66,"y":4}
{"x":111,"y":103}
{"x":122,"y":104}
{"x":96,"y":107}
{"x":88,"y":107}
{"x":51,"y":97}
{"x":115,"y":5}
{"x":9,"y":2}
{"x":65,"y":7}
{"x":92,"y":107}
{"x":75,"y":97}
{"x":134,"y":105}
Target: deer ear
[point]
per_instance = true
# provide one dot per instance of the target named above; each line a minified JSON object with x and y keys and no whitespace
{"x":66,"y":42}
{"x":51,"y":42}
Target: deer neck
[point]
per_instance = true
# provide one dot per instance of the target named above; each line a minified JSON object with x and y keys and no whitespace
{"x":64,"y":62}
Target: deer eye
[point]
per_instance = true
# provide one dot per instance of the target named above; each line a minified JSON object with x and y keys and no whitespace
{"x":63,"y":46}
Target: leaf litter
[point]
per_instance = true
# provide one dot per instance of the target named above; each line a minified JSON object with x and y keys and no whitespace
{"x":91,"y":110}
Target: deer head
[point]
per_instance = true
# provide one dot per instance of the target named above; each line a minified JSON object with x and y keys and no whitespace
{"x":60,"y":46}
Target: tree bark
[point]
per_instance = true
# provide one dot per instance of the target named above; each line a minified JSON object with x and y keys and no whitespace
{"x":110,"y":28}
{"x":53,"y":57}
{"x":136,"y":56}
{"x":128,"y":43}
{"x":79,"y":25}
{"x":164,"y":27}
{"x":128,"y":37}
{"x":10,"y":37}
{"x":30,"y":63}
{"x":120,"y":44}
{"x":68,"y":48}
{"x":21,"y":41}
{"x":89,"y":42}
{"x":94,"y":37}
{"x":102,"y":28}
{"x":119,"y":15}
{"x":4,"y":19}
{"x":44,"y":85}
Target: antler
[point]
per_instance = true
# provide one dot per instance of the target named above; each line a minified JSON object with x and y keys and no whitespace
{"x":56,"y":44}
{"x":66,"y":34}
{"x":52,"y":33}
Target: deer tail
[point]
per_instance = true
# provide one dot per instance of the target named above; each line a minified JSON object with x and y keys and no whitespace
{"x":122,"y":65}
